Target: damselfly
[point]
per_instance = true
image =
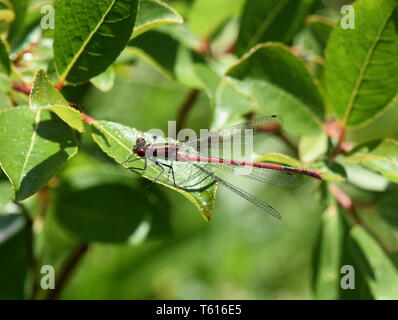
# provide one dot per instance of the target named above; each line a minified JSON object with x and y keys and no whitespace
{"x":190,"y":165}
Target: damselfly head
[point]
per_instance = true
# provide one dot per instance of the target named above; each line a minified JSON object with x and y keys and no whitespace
{"x":140,"y":147}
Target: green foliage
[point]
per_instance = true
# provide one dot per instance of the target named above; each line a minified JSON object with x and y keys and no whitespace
{"x":286,"y":88}
{"x":371,"y":79}
{"x":14,"y":256}
{"x":31,"y":156}
{"x":266,"y":21}
{"x":153,"y":13}
{"x":86,"y":44}
{"x":20,"y":10}
{"x":71,"y":98}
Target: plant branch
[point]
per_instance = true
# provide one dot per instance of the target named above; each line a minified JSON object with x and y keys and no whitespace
{"x":21,"y":87}
{"x":67,"y":270}
{"x":186,"y":108}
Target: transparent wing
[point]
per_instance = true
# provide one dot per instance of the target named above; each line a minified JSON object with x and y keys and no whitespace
{"x":277,"y":178}
{"x":259,"y":203}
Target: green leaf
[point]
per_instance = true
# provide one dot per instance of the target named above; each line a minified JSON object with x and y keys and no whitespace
{"x":352,"y":255}
{"x":153,"y":13}
{"x":20,"y":8}
{"x":387,"y":207}
{"x":84,"y":173}
{"x":117,"y":141}
{"x":331,"y":174}
{"x":5,"y":66}
{"x":266,"y":20}
{"x":14,"y":256}
{"x":321,"y":27}
{"x":104,"y":213}
{"x":33,"y":146}
{"x":209,"y":79}
{"x":5,"y":195}
{"x":45,"y":96}
{"x":147,"y":46}
{"x":174,"y":60}
{"x":313,"y":147}
{"x":361,"y":74}
{"x":273,"y":80}
{"x":105,"y":80}
{"x":206,"y":16}
{"x":7,"y":16}
{"x":380,"y":156}
{"x":328,"y":255}
{"x":366,"y":179}
{"x":383,"y":281}
{"x":69,"y":115}
{"x":280,"y":158}
{"x":89,"y":36}
{"x":43,"y":93}
{"x":275,"y":63}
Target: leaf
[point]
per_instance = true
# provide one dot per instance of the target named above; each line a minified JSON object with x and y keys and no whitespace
{"x":45,"y":96}
{"x":84,"y":173}
{"x":331,"y":174}
{"x":105,"y":80}
{"x":276,"y":64}
{"x":152,"y":13}
{"x":13,"y":256}
{"x":209,"y":79}
{"x":361,"y":74}
{"x":313,"y":147}
{"x":90,"y":35}
{"x":383,"y":281}
{"x":147,"y":46}
{"x":117,"y":141}
{"x":33,"y":146}
{"x":379,"y":155}
{"x":265,"y":20}
{"x":104,"y":213}
{"x":5,"y":67}
{"x":20,"y":8}
{"x":5,"y":195}
{"x":352,"y":255}
{"x":7,"y":16}
{"x":174,"y":60}
{"x":279,"y":158}
{"x":69,"y":115}
{"x":328,"y":255}
{"x":206,"y":16}
{"x":272,"y":80}
{"x":321,"y":27}
{"x":387,"y":207}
